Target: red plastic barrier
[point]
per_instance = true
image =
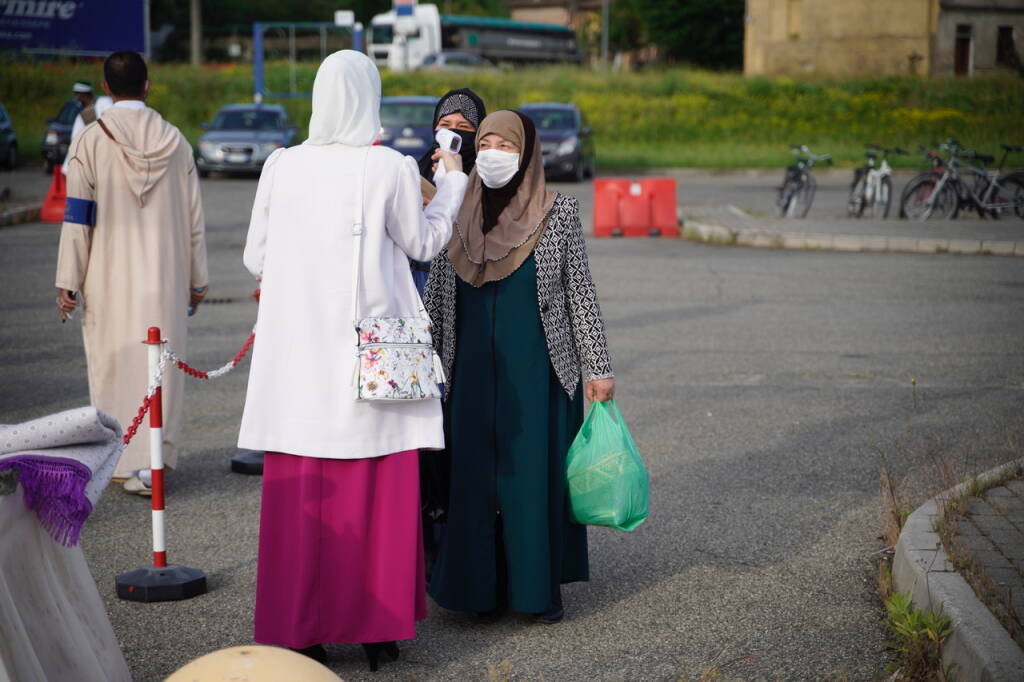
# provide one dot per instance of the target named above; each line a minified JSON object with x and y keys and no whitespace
{"x":53,"y":207}
{"x":635,"y":208}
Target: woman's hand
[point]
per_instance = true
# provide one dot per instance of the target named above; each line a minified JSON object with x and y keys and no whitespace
{"x":600,"y":390}
{"x":452,"y":162}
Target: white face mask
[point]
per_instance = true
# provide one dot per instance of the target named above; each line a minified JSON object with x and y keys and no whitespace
{"x":496,"y":167}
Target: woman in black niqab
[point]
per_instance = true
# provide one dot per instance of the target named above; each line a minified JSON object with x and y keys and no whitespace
{"x":462,"y":101}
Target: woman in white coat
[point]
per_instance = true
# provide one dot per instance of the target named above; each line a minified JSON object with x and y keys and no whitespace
{"x":340,"y":551}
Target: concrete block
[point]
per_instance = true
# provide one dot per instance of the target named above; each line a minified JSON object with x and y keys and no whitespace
{"x":1017,"y":486}
{"x":933,"y":245}
{"x":874,"y":243}
{"x":819,"y":241}
{"x":767,"y":240}
{"x":745,"y":237}
{"x":964,"y":246}
{"x":981,"y":508}
{"x":901,"y":244}
{"x":997,"y":248}
{"x":843,"y":242}
{"x":930,"y":560}
{"x":989,"y":559}
{"x":794,"y":240}
{"x":975,"y":542}
{"x":1005,"y":577}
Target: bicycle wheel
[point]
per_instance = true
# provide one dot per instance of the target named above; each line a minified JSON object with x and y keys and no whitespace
{"x":855,"y":203}
{"x":785,"y":200}
{"x":976,"y":183}
{"x":1010,"y":196}
{"x":805,"y":195}
{"x":924,"y":199}
{"x":883,"y":197}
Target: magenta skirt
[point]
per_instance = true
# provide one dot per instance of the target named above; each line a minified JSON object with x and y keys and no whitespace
{"x":341,"y":550}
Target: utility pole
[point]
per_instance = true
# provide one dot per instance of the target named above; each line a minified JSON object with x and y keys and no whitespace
{"x":604,"y":32}
{"x":196,"y":19}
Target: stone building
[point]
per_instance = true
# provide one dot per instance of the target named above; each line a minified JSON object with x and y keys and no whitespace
{"x":881,"y":37}
{"x":575,"y":13}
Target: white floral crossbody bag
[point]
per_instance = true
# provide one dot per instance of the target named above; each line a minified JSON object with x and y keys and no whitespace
{"x":395,"y":358}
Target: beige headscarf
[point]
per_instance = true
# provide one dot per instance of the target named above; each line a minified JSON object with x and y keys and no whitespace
{"x":480,"y":257}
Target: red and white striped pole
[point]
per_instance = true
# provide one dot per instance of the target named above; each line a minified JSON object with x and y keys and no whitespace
{"x":156,"y":450}
{"x":160,"y":582}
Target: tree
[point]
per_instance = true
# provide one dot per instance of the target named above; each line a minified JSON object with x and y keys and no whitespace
{"x":704,"y":32}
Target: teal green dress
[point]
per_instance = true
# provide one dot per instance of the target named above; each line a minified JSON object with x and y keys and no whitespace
{"x":509,"y":424}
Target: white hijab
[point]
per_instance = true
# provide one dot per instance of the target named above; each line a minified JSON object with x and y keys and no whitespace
{"x":346,"y":101}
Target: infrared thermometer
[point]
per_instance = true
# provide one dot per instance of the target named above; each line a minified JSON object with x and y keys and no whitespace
{"x":448,"y":141}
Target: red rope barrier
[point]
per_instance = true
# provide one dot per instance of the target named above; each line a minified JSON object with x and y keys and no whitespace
{"x":133,"y":428}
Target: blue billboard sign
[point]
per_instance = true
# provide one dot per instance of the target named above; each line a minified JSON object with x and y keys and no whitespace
{"x":92,"y":28}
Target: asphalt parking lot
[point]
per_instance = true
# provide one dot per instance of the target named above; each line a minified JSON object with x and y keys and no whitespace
{"x":762,"y":387}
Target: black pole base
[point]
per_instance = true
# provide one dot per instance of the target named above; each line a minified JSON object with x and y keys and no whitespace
{"x":172,"y":583}
{"x":249,"y":462}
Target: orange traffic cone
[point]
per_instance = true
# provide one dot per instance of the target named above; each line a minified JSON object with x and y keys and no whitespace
{"x":53,"y":207}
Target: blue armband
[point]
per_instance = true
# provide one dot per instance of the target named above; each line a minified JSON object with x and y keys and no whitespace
{"x":81,"y":211}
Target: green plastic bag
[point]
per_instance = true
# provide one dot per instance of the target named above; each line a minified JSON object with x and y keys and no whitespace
{"x":607,"y":479}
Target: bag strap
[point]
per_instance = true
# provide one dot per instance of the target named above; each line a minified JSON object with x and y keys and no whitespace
{"x":357,"y":234}
{"x":357,"y":251}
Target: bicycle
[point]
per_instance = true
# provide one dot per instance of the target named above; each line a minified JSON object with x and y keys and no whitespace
{"x":959,"y":185}
{"x":872,"y":186}
{"x":798,"y":188}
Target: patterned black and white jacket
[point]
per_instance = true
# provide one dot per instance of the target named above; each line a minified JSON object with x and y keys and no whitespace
{"x":566,"y":298}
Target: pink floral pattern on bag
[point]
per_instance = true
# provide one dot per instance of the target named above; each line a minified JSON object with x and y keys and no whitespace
{"x":396,"y":360}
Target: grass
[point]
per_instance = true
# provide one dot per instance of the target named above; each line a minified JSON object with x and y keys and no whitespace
{"x":669,"y":117}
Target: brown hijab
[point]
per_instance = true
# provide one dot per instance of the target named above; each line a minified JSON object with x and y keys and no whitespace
{"x":496,"y":229}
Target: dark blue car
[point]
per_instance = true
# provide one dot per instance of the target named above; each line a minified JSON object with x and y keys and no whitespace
{"x":58,"y":134}
{"x":408,"y":124}
{"x":567,"y":140}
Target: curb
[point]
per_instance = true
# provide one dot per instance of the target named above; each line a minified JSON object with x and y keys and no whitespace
{"x":766,"y":239}
{"x":979,"y":646}
{"x":18,"y":216}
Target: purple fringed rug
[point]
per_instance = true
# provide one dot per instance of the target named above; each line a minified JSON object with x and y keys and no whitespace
{"x":54,"y":488}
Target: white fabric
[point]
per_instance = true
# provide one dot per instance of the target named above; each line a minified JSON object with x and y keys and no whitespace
{"x":130,"y":104}
{"x":346,"y":101}
{"x":85,"y":434}
{"x":301,"y":395}
{"x":53,"y":625}
{"x":496,"y":167}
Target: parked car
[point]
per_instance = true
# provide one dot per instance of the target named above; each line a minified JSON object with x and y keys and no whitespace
{"x":8,"y":140}
{"x":242,"y":136}
{"x":454,"y":61}
{"x":407,"y":124}
{"x":567,"y":141}
{"x":58,"y":134}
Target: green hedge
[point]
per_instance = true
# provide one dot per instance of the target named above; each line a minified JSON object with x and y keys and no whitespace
{"x":673,"y":117}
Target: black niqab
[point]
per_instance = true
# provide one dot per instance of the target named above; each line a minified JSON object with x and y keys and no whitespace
{"x":467,"y":103}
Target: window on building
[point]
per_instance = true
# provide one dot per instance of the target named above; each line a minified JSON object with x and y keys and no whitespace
{"x":1006,"y":50}
{"x":962,"y":49}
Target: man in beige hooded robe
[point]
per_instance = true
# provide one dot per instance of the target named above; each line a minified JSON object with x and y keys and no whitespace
{"x":133,"y":247}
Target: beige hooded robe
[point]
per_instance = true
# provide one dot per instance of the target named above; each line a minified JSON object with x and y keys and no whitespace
{"x":134,"y":269}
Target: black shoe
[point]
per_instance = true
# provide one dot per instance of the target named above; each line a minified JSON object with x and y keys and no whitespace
{"x":550,"y":617}
{"x":492,"y":616}
{"x":373,"y":651}
{"x":316,"y":652}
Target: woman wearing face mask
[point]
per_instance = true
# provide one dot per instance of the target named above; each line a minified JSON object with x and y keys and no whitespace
{"x":340,"y":554}
{"x":461,"y":112}
{"x":518,"y":326}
